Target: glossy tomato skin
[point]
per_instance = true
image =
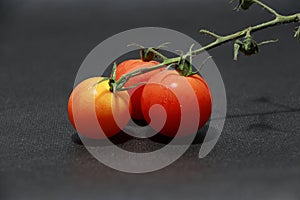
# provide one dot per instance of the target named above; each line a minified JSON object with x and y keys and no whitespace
{"x":135,"y":94}
{"x":164,"y":89}
{"x":93,"y":106}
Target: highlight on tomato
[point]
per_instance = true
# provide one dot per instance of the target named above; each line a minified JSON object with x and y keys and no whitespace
{"x":136,"y":92}
{"x":182,"y":97}
{"x":92,"y":105}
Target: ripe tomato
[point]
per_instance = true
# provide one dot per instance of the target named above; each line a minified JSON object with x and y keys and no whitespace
{"x":181,"y":97}
{"x":92,"y":105}
{"x":135,"y":93}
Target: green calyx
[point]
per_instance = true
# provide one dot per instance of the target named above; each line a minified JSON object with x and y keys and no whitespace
{"x":248,"y":46}
{"x":111,"y":81}
{"x":147,"y":55}
{"x":150,"y":53}
{"x":185,"y":68}
{"x":244,"y":4}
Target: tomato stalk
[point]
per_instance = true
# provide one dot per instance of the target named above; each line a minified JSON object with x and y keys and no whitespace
{"x":111,"y":81}
{"x":248,"y":46}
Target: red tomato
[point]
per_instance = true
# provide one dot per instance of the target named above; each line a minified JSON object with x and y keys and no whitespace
{"x":135,"y":93}
{"x":91,"y":106}
{"x":181,"y":97}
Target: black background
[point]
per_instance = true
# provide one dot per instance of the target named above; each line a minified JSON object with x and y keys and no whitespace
{"x":42,"y":44}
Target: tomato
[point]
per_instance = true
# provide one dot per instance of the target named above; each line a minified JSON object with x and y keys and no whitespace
{"x":180,"y":97}
{"x":92,"y":105}
{"x":135,"y":93}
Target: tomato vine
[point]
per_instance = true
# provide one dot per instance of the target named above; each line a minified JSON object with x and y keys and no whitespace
{"x":248,"y":45}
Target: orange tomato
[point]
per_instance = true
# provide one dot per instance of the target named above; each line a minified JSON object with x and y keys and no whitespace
{"x":93,"y":106}
{"x":135,"y":93}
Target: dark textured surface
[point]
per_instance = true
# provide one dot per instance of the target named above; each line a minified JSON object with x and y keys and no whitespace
{"x":42,"y":44}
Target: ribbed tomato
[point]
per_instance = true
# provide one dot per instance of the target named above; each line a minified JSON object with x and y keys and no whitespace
{"x":93,"y":106}
{"x":135,"y":93}
{"x":187,"y":103}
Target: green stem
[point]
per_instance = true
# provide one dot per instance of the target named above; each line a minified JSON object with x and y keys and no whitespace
{"x":219,"y":40}
{"x":224,"y":39}
{"x":272,"y":11}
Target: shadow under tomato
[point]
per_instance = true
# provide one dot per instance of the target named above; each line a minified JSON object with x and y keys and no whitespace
{"x":116,"y":139}
{"x":199,"y":138}
{"x":122,"y":138}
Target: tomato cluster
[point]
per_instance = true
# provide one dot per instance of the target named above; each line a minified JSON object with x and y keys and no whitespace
{"x":182,"y":97}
